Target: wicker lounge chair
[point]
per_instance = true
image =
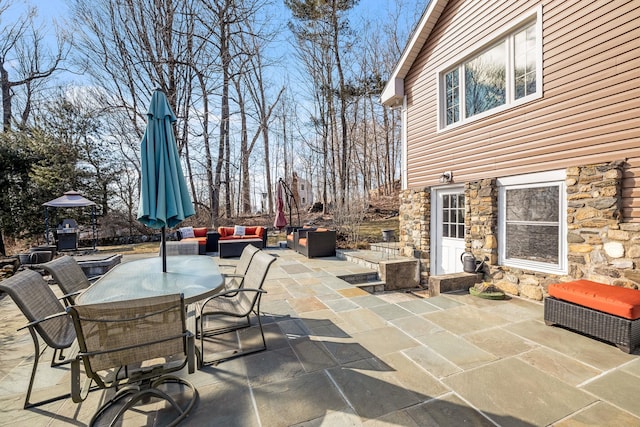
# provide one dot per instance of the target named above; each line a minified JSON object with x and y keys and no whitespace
{"x":221,"y":313}
{"x":115,"y":338}
{"x":315,"y":243}
{"x":46,"y":317}
{"x":69,"y":276}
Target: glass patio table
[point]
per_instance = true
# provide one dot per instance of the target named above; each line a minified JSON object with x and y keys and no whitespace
{"x":196,"y":277}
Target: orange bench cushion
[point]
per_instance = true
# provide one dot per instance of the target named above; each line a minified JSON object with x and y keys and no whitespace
{"x":249,"y":233}
{"x":200,"y":236}
{"x":622,"y":302}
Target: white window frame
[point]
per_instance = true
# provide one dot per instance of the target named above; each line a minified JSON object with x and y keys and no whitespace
{"x":541,"y":179}
{"x":508,"y":33}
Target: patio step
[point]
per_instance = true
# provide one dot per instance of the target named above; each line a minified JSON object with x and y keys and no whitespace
{"x":388,"y":248}
{"x":394,"y":272}
{"x":452,"y":282}
{"x":369,"y":282}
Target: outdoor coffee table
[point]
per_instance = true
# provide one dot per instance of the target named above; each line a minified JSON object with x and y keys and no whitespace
{"x":234,"y":247}
{"x":195,"y":276}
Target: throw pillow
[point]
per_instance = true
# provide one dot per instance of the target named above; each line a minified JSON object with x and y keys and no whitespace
{"x":238,"y":230}
{"x":187,"y":232}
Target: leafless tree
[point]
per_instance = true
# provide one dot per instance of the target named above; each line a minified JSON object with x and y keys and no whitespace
{"x":24,"y":54}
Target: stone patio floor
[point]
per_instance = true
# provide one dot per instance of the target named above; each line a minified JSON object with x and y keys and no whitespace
{"x":338,"y":356}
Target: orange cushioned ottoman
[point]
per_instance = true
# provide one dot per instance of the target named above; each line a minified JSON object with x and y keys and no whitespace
{"x":610,"y":313}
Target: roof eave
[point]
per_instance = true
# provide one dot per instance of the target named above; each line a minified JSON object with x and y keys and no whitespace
{"x":393,"y":91}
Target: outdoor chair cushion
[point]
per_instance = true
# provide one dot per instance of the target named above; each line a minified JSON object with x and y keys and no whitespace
{"x":615,"y":300}
{"x":199,"y":235}
{"x":227,"y":233}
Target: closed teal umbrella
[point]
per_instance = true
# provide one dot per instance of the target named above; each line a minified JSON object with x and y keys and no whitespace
{"x":164,"y":197}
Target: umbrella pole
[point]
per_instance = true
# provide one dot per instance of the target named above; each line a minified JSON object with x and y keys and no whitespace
{"x":164,"y":251}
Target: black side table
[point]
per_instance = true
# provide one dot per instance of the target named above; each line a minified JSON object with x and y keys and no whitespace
{"x":212,"y":241}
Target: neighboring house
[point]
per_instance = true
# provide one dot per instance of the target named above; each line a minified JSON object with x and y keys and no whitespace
{"x":521,"y":140}
{"x":302,"y":191}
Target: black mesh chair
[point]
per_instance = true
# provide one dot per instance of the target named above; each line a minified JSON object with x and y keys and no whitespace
{"x":231,"y":309}
{"x":68,"y":274}
{"x":47,"y":318}
{"x":134,"y":346}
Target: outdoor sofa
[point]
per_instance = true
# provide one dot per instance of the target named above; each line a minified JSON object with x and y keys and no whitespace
{"x":243,"y":232}
{"x":192,"y":234}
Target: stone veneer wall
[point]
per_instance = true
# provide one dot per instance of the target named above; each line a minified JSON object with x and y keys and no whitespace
{"x":601,"y":247}
{"x":415,"y":213}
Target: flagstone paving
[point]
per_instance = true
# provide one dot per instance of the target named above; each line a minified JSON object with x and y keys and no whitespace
{"x":338,"y":356}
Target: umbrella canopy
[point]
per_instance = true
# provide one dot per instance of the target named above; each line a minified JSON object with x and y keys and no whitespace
{"x":280,"y":221}
{"x":164,"y":197}
{"x":69,"y":199}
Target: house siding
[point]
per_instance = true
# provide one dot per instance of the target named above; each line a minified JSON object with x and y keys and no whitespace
{"x":589,"y":112}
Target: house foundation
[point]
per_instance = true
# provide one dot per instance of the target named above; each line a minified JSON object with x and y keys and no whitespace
{"x":600,"y":246}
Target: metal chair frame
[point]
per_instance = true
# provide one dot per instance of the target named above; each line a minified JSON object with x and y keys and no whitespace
{"x":236,"y":303}
{"x":47,"y":318}
{"x":112,"y":360}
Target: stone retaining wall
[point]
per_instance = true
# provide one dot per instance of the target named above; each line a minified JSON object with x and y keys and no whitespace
{"x":601,"y":247}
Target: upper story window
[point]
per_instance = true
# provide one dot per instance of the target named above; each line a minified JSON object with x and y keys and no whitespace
{"x":496,"y":76}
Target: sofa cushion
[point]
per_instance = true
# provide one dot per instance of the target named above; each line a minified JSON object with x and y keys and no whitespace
{"x":187,"y":232}
{"x":249,"y":233}
{"x":239,"y":230}
{"x":200,"y":232}
{"x":622,"y":302}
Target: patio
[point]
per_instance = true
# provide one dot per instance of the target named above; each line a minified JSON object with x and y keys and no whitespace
{"x":339,"y":356}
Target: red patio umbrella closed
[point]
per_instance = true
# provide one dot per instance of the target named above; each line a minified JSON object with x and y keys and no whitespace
{"x":280,"y":221}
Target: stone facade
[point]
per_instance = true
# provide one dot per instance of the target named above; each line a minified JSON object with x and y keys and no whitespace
{"x":415,"y":212}
{"x":601,"y":247}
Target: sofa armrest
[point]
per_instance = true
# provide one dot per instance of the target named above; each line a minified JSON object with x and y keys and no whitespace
{"x":316,"y":243}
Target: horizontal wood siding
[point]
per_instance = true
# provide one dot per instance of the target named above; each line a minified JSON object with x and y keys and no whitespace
{"x":589,"y":112}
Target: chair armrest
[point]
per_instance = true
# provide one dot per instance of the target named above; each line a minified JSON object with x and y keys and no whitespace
{"x":68,"y":298}
{"x":230,"y":292}
{"x":44,"y":319}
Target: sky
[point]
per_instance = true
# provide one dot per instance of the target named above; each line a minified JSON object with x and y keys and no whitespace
{"x":50,"y":11}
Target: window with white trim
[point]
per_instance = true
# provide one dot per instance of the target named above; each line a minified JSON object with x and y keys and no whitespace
{"x":532,"y":222}
{"x":503,"y":73}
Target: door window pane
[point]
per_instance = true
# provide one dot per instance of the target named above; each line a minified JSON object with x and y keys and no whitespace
{"x":453,"y":216}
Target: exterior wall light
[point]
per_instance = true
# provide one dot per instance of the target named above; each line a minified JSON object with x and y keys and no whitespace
{"x":446,"y":177}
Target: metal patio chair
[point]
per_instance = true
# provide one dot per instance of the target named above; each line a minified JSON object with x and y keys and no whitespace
{"x":220,"y":313}
{"x":133,"y":346}
{"x":69,"y":276}
{"x":235,"y":279}
{"x":46,"y":317}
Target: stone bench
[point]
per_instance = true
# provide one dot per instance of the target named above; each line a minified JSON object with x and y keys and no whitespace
{"x":610,"y":313}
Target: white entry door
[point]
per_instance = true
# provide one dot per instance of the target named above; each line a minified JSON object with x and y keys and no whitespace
{"x":447,"y":230}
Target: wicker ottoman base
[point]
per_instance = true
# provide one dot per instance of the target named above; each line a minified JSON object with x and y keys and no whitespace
{"x":624,"y":333}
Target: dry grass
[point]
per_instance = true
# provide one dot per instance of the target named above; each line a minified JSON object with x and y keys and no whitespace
{"x":136,"y":248}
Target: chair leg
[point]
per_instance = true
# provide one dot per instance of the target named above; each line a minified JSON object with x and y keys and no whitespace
{"x":138,"y":394}
{"x":239,"y":353}
{"x":36,"y":358}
